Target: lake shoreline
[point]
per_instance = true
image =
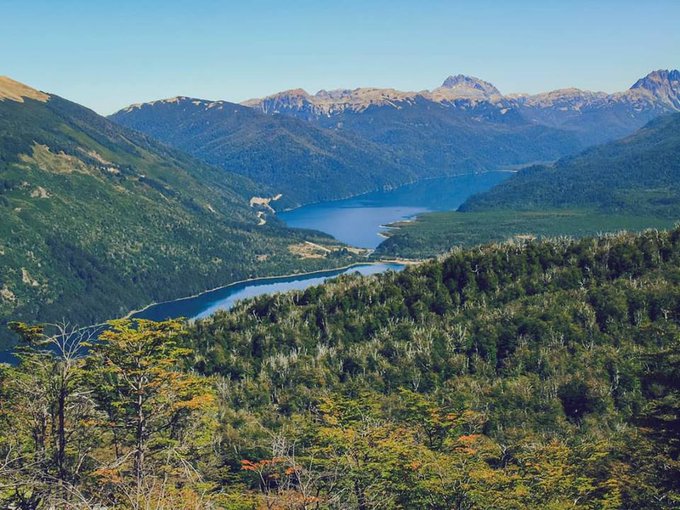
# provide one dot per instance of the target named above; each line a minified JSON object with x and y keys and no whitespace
{"x":7,"y":356}
{"x":368,"y":219}
{"x":132,"y":313}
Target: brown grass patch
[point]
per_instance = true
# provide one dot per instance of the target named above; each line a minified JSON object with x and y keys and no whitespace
{"x":15,"y":91}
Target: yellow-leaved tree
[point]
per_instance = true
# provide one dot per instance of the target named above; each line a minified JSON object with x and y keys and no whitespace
{"x":159,"y":418}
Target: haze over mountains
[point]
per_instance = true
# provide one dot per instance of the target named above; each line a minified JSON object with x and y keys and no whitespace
{"x":354,"y":141}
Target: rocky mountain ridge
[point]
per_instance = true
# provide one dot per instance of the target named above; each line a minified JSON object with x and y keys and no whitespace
{"x":656,"y":93}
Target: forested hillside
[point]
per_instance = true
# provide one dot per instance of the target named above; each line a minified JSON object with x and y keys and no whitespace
{"x":639,"y":174}
{"x":351,"y":152}
{"x":98,"y":219}
{"x":290,"y":156}
{"x":630,"y":184}
{"x":532,"y":375}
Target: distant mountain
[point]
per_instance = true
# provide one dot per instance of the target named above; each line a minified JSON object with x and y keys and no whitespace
{"x":314,"y":147}
{"x":639,"y":174}
{"x":97,"y":219}
{"x":290,"y":156}
{"x":298,"y":103}
{"x":663,"y":85}
{"x":591,"y":117}
{"x":467,"y":86}
{"x":343,"y":142}
{"x":599,"y":117}
{"x":454,"y":136}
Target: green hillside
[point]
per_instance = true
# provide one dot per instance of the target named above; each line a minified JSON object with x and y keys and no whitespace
{"x":630,"y":184}
{"x":98,"y":219}
{"x":534,"y":375}
{"x":639,"y":174}
{"x":290,"y":156}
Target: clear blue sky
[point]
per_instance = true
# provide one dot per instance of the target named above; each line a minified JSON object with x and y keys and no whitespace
{"x":108,"y":54}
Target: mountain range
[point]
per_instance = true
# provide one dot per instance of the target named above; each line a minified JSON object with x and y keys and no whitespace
{"x":342,"y":142}
{"x":594,"y":116}
{"x":98,"y":219}
{"x":285,"y":155}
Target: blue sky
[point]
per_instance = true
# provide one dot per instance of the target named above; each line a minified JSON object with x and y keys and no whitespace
{"x":108,"y":54}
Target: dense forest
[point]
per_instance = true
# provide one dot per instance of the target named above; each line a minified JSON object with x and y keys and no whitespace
{"x":525,"y":375}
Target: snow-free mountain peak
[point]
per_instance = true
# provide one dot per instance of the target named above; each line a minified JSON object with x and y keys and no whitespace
{"x":663,"y":84}
{"x":470,"y":85}
{"x":177,"y":100}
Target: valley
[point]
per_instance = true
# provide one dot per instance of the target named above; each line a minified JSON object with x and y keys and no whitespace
{"x":98,"y":220}
{"x":222,"y":290}
{"x":65,"y":163}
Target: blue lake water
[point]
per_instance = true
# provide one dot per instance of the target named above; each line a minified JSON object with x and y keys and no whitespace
{"x":359,"y":220}
{"x":205,"y":304}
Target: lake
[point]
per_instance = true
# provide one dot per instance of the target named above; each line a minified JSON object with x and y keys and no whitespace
{"x":223,"y":298}
{"x":360,"y":220}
